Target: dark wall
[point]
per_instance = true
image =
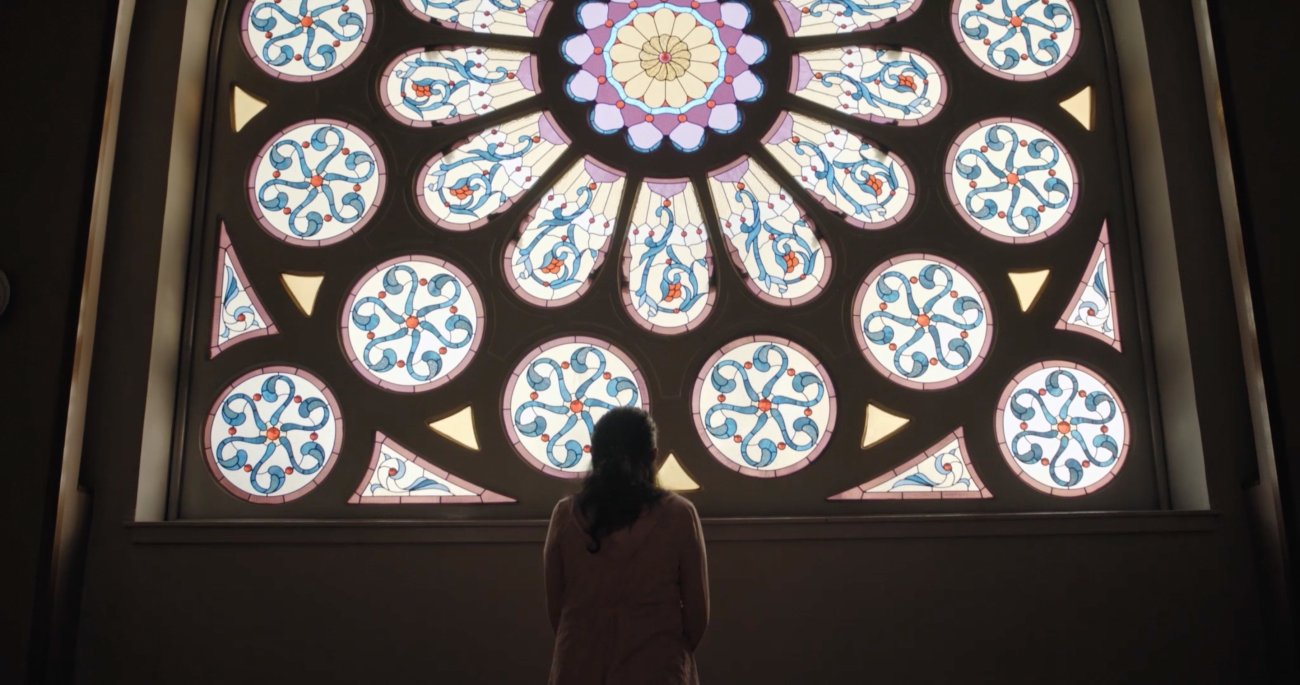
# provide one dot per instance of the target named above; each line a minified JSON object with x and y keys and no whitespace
{"x":1263,"y":142}
{"x":1044,"y":599}
{"x":54,"y":89}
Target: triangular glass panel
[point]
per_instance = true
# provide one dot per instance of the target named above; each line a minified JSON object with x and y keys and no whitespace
{"x":397,"y":476}
{"x":458,"y":427}
{"x":1092,"y":309}
{"x":1028,"y":285}
{"x":237,"y":314}
{"x":941,"y":472}
{"x":243,"y":107}
{"x":1079,"y":106}
{"x":879,"y":425}
{"x":673,"y":477}
{"x":302,"y":289}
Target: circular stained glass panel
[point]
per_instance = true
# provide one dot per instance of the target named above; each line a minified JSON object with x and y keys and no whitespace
{"x":412,"y":323}
{"x":306,"y":40}
{"x":922,"y":321}
{"x":316,"y":183}
{"x":557,"y":394}
{"x":1011,"y":180}
{"x":1017,"y":40}
{"x":764,"y":406}
{"x":273,"y":435}
{"x":1062,"y":429}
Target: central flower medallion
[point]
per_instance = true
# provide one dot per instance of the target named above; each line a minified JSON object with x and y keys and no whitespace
{"x":671,"y":68}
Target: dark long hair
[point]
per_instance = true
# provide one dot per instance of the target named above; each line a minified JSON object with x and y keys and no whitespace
{"x":622,"y":480}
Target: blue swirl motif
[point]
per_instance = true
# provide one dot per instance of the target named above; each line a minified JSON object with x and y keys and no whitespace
{"x":409,"y":321}
{"x":238,"y":315}
{"x":450,"y":10}
{"x":1060,"y":429}
{"x":923,"y":323}
{"x":869,"y":189}
{"x":1022,"y":36}
{"x":1093,"y":309}
{"x":846,"y":11}
{"x":553,"y":250}
{"x":757,"y":380}
{"x":676,"y":271}
{"x":465,"y":185}
{"x":323,"y":181}
{"x":999,"y":187}
{"x":275,"y":436}
{"x":946,"y":462}
{"x":392,"y":470}
{"x":585,"y":369}
{"x":429,"y":83}
{"x":790,"y":255}
{"x":897,"y":88}
{"x":309,"y":35}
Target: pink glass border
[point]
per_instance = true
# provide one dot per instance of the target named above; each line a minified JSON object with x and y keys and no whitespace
{"x":470,"y":289}
{"x":362,"y":43}
{"x":330,"y":460}
{"x":830,"y":206}
{"x":481,"y":496}
{"x":801,"y":75}
{"x":784,"y":9}
{"x":1075,"y":188}
{"x":536,"y":22}
{"x":418,"y":184}
{"x":1065,"y":59}
{"x":1015,"y":465}
{"x":865,"y":347}
{"x":516,"y":442}
{"x":862,"y":492}
{"x":260,"y":214}
{"x":625,"y":273}
{"x":698,"y":419}
{"x":392,"y":109}
{"x":738,"y":262}
{"x":508,"y":265}
{"x":1103,"y":246}
{"x":226,"y":249}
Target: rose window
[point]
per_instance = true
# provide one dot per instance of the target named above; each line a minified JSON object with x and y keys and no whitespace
{"x":849,"y":252}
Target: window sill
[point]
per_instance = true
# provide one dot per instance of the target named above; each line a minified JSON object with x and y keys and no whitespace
{"x":327,"y":532}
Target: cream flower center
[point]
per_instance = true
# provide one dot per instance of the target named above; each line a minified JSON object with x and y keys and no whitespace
{"x":664,"y":58}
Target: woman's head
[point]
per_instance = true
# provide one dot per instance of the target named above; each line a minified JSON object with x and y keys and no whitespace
{"x":622,"y":479}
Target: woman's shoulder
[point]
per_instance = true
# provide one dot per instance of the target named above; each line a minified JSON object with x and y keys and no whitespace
{"x":677,"y":505}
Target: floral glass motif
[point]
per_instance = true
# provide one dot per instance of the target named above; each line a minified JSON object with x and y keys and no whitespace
{"x":273,"y":435}
{"x":1017,"y":39}
{"x":879,"y":84}
{"x":1092,"y":309}
{"x":426,"y":87}
{"x":1011,"y":180}
{"x":563,"y":240}
{"x":237,"y":313}
{"x":941,"y":472}
{"x":1062,"y":429}
{"x":866,"y":185}
{"x":768,"y":236}
{"x":667,"y":262}
{"x":764,"y":406}
{"x":305,"y":40}
{"x":664,"y":68}
{"x":922,"y":321}
{"x":819,"y":17}
{"x":317,"y":183}
{"x":412,"y":323}
{"x":398,"y":476}
{"x":484,"y":175}
{"x":556,"y":395}
{"x":503,"y":17}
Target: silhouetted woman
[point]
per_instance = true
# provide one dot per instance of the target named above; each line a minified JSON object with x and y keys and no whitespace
{"x":627,"y":582}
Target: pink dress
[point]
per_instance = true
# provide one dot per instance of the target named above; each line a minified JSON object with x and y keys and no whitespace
{"x":633,"y":613}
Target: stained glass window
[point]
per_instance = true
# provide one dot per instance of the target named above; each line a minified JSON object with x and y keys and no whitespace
{"x":843,"y":250}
